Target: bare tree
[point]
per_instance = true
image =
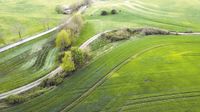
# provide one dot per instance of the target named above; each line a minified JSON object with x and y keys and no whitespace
{"x":2,"y":39}
{"x":19,"y":29}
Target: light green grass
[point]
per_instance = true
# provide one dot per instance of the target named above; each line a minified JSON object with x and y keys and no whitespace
{"x":30,"y":14}
{"x":85,"y":78}
{"x":168,"y":14}
{"x":179,"y":15}
{"x":151,"y":82}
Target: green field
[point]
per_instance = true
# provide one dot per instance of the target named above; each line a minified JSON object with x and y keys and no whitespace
{"x":142,"y":74}
{"x":119,"y":87}
{"x":30,"y":14}
{"x":167,"y":14}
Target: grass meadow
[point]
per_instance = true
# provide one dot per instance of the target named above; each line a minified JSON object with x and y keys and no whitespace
{"x":30,"y":14}
{"x":148,"y":74}
{"x":119,"y":84}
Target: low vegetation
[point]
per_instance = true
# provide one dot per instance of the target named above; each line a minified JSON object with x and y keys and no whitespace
{"x":112,"y":12}
{"x":21,"y":98}
{"x":117,"y":35}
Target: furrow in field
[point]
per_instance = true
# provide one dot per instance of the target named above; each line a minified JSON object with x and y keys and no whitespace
{"x":101,"y":81}
{"x":160,"y":98}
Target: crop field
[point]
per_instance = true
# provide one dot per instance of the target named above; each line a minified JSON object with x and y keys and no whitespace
{"x":119,"y":84}
{"x":27,"y":63}
{"x":157,"y":73}
{"x":30,"y":14}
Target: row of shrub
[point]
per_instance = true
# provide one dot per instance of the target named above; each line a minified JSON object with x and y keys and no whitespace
{"x":117,"y":35}
{"x":123,"y":34}
{"x":17,"y":99}
{"x":73,"y":59}
{"x":104,"y":13}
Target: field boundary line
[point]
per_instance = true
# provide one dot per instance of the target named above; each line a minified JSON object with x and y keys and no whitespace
{"x":99,"y":82}
{"x":159,"y":99}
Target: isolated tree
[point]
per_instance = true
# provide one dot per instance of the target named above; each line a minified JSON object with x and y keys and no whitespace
{"x":104,"y":13}
{"x":67,"y":62}
{"x":113,"y":11}
{"x":2,"y":39}
{"x":19,"y":29}
{"x":64,"y":39}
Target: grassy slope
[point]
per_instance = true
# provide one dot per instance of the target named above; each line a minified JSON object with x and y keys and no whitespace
{"x":85,"y":78}
{"x":154,"y":81}
{"x":182,"y":21}
{"x":140,"y":13}
{"x":26,"y":63}
{"x":29,"y":13}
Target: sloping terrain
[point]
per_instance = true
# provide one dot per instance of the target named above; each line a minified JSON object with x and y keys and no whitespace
{"x":148,"y":74}
{"x":32,"y":16}
{"x":77,"y":87}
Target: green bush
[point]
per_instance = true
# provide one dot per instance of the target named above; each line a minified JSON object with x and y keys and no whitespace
{"x":117,"y":35}
{"x":104,"y":13}
{"x":15,"y":99}
{"x":113,"y":11}
{"x":68,"y":64}
{"x":52,"y":81}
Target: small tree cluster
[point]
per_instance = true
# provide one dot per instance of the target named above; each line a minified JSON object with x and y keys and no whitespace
{"x":74,"y":59}
{"x":104,"y":13}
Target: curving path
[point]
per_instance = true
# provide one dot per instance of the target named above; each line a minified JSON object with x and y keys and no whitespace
{"x":59,"y":69}
{"x":51,"y":74}
{"x":81,"y":10}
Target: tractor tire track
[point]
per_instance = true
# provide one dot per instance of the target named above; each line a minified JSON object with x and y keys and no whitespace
{"x":102,"y":80}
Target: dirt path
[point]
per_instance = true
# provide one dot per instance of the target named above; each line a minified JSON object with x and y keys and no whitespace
{"x":81,"y":10}
{"x":51,"y":74}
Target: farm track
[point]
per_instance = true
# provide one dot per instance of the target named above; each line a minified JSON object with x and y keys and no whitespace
{"x":159,"y":98}
{"x":81,"y":10}
{"x":57,"y":70}
{"x":102,"y":80}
